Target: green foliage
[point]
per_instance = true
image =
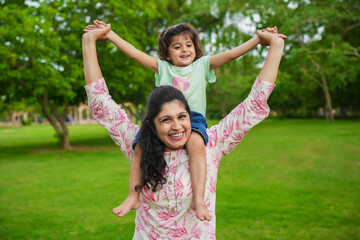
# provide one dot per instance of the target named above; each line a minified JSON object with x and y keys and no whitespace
{"x":26,"y":122}
{"x":323,"y":44}
{"x":233,"y":84}
{"x":40,"y":48}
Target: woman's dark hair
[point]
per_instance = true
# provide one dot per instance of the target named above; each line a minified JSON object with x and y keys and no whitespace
{"x":153,"y":163}
{"x":164,"y":39}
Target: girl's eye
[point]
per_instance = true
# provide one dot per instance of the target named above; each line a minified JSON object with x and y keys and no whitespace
{"x":189,"y":45}
{"x":177,"y":47}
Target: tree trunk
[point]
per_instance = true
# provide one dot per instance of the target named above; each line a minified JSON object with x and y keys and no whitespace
{"x":329,"y":115}
{"x":56,"y":120}
{"x":65,"y":141}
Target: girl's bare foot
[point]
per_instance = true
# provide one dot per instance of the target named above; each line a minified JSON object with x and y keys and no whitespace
{"x":201,"y":211}
{"x":131,"y":203}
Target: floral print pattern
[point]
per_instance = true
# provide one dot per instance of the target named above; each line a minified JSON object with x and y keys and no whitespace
{"x":166,"y":214}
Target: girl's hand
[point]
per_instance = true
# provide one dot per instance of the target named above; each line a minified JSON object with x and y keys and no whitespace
{"x":274,"y":30}
{"x":97,"y":34}
{"x":97,"y":26}
{"x":270,"y":30}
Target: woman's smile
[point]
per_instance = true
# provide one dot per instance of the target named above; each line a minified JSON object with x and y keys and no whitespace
{"x":177,"y":136}
{"x":173,"y":126}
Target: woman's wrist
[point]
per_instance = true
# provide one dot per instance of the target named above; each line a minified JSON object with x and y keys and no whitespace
{"x":277,"y":42}
{"x":87,"y":39}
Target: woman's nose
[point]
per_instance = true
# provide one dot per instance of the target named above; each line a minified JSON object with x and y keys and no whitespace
{"x":176,"y":125}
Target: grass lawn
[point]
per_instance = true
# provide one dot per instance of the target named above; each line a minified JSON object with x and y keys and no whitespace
{"x":291,"y":179}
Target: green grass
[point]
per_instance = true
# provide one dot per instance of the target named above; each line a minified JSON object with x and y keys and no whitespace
{"x":292,"y":179}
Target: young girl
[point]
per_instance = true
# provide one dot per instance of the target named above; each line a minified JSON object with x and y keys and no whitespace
{"x":181,"y":64}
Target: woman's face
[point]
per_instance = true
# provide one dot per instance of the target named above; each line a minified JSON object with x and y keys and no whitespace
{"x":173,"y":126}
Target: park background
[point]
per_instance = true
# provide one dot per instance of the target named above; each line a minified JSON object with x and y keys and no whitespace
{"x":295,"y":176}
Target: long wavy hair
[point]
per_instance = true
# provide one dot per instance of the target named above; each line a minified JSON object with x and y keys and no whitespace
{"x":164,"y":39}
{"x":153,"y":163}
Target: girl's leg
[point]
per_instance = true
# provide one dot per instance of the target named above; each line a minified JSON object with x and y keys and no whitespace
{"x":197,"y":160}
{"x":132,"y":201}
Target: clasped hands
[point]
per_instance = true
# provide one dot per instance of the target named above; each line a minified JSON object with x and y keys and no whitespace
{"x":100,"y":31}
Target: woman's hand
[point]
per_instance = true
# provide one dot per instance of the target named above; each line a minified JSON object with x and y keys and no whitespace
{"x":273,"y":30}
{"x":92,"y":69}
{"x":98,"y":25}
{"x":269,"y":35}
{"x":97,"y":34}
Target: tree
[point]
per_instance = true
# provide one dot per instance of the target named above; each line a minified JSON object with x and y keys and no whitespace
{"x":38,"y":62}
{"x":321,"y":51}
{"x":40,"y":45}
{"x":40,"y":48}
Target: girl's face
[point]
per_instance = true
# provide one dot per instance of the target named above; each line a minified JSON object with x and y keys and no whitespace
{"x":173,"y":126}
{"x":181,"y":50}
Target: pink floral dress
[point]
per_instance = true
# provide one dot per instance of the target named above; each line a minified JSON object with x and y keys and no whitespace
{"x":166,"y":214}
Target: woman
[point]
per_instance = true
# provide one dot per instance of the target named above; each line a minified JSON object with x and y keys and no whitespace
{"x":164,"y":210}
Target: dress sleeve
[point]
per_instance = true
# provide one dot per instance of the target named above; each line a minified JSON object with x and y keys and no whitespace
{"x":233,"y":128}
{"x":106,"y":112}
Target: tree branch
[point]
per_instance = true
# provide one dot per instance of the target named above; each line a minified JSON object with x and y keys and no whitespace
{"x":205,"y":25}
{"x":59,"y":118}
{"x":317,"y":69}
{"x":355,"y":53}
{"x":349,"y":28}
{"x":44,"y":102}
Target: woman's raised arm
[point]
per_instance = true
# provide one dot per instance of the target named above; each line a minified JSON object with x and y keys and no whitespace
{"x":231,"y":130}
{"x":276,"y":46}
{"x":103,"y":109}
{"x":91,"y":65}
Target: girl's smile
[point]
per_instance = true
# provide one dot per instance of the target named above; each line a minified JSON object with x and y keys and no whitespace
{"x":181,"y":50}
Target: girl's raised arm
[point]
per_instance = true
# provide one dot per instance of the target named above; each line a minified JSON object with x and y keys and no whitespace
{"x":139,"y":56}
{"x":222,"y":58}
{"x":127,"y":48}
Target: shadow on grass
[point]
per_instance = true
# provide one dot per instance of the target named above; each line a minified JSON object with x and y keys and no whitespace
{"x":7,"y":152}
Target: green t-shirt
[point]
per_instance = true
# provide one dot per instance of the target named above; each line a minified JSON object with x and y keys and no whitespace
{"x":190,"y":80}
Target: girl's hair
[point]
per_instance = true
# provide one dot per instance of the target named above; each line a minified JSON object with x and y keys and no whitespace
{"x":153,"y":163}
{"x":164,"y":39}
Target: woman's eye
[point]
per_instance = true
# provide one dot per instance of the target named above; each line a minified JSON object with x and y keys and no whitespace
{"x":189,"y":45}
{"x":166,"y":120}
{"x":182,"y":116}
